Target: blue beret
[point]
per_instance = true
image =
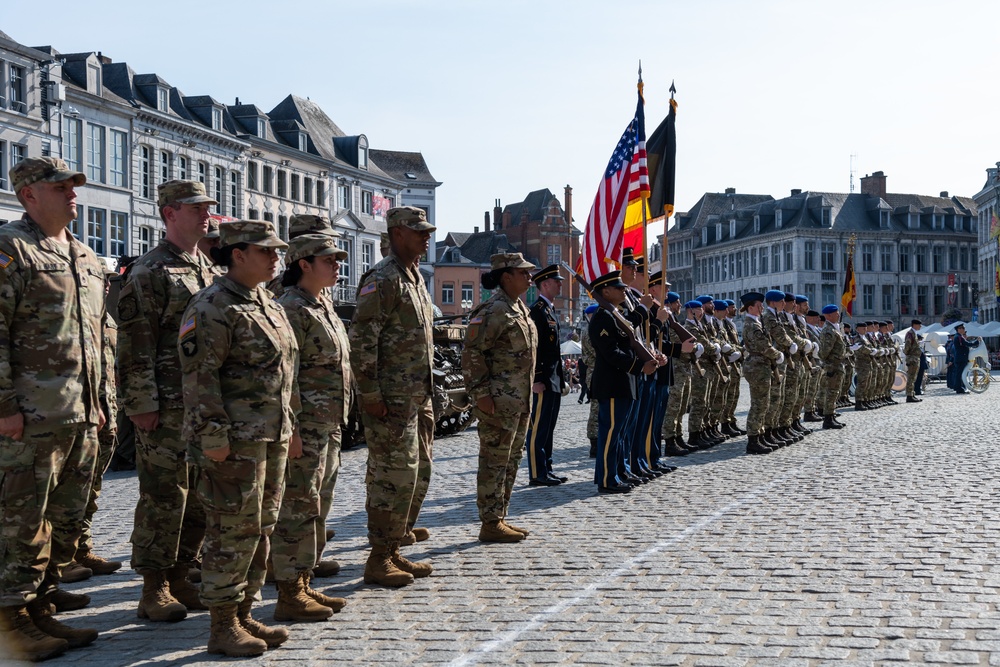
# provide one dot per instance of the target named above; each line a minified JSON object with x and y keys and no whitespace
{"x":830,"y":309}
{"x":704,"y":299}
{"x":693,"y":304}
{"x":774,"y":295}
{"x":730,"y":302}
{"x":673,"y":296}
{"x":721,"y":305}
{"x":592,"y":308}
{"x":801,"y":299}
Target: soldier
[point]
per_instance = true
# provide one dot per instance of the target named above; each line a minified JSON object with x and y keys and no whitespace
{"x":499,"y":367}
{"x":809,"y":324}
{"x":324,"y":381}
{"x":299,"y":225}
{"x":680,"y":389}
{"x":832,"y":351}
{"x":238,"y":358}
{"x":702,"y":386}
{"x":761,"y":360}
{"x":864,"y":353}
{"x":661,"y":385}
{"x":845,"y":389}
{"x":210,"y":239}
{"x":717,"y":401}
{"x":796,"y":375}
{"x":546,"y":389}
{"x":814,"y":323}
{"x":735,"y":357}
{"x":912,"y":352}
{"x":778,"y":334}
{"x":392,"y":355}
{"x":589,"y":355}
{"x":52,"y":314}
{"x":169,"y":521}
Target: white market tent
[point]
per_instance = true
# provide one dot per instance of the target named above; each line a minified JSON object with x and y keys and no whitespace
{"x":570,"y":348}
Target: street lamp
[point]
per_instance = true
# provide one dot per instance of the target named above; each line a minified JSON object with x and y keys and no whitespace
{"x":953,"y":294}
{"x":466,"y":306}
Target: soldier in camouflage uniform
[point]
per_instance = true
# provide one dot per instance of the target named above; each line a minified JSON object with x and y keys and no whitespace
{"x":590,"y":356}
{"x":702,"y":386}
{"x":392,"y":355}
{"x":832,"y":352}
{"x":864,"y":355}
{"x":762,"y":358}
{"x":814,"y":322}
{"x":912,"y":352}
{"x":52,"y":314}
{"x":845,"y":389}
{"x":210,"y":239}
{"x":298,"y":225}
{"x":324,"y":380}
{"x":169,"y":520}
{"x":680,"y":390}
{"x":774,"y":301}
{"x":499,"y":364}
{"x":796,"y":374}
{"x":239,"y":360}
{"x":736,"y":359}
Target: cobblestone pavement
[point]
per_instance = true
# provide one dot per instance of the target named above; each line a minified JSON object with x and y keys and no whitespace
{"x":865,"y":546}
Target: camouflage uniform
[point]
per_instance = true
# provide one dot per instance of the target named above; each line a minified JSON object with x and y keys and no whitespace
{"x":499,"y":362}
{"x":702,"y":386}
{"x":832,"y":351}
{"x":324,"y":382}
{"x":169,"y":521}
{"x":845,"y":388}
{"x":736,"y":368}
{"x":299,"y":225}
{"x":761,"y":358}
{"x":239,"y":360}
{"x":52,"y":314}
{"x":780,"y":339}
{"x":392,"y":354}
{"x":796,"y":373}
{"x":680,"y":392}
{"x":864,"y":360}
{"x":911,"y":350}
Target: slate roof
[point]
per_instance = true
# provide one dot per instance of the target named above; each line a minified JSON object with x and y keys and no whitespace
{"x":480,"y":246}
{"x":534,"y":204}
{"x":400,"y":163}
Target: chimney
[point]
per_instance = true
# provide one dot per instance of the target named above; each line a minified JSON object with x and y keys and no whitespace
{"x":944,"y":194}
{"x":497,"y":215}
{"x":874,"y":185}
{"x":796,"y":191}
{"x":486,"y":221}
{"x":730,"y":191}
{"x":475,"y":230}
{"x":237,"y":101}
{"x":568,"y":205}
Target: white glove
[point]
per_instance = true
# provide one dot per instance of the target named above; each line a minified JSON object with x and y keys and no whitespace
{"x":815,"y":352}
{"x":716,"y":348}
{"x":855,"y":347}
{"x":699,"y":350}
{"x":727,"y":348}
{"x":734,"y":356}
{"x":781,"y":358}
{"x":793,"y":348}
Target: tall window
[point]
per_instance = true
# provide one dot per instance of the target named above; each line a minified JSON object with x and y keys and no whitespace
{"x":295,"y":187}
{"x":868,"y":298}
{"x":810,"y":292}
{"x":828,"y":253}
{"x":164,"y":166}
{"x":282,"y":183}
{"x":182,"y":168}
{"x":763,"y":260}
{"x":283,"y":226}
{"x":216,"y":119}
{"x":366,"y":201}
{"x":776,"y":259}
{"x":904,"y":259}
{"x":234,"y":194}
{"x":904,"y":300}
{"x":920,"y":255}
{"x":261,"y":128}
{"x":17,"y":97}
{"x":344,"y":197}
{"x":144,"y":240}
{"x":219,"y":191}
{"x":307,"y":190}
{"x":788,"y":257}
{"x":448,"y":293}
{"x":117,"y":233}
{"x":808,"y":259}
{"x":96,"y":220}
{"x":251,"y":175}
{"x":72,"y":150}
{"x":937,"y":259}
{"x":938,"y":299}
{"x":162,"y":99}
{"x":203,"y":174}
{"x":95,"y":153}
{"x":145,"y":173}
{"x":952,"y":258}
{"x":3,"y":166}
{"x":76,"y":225}
{"x":885,"y":250}
{"x":119,"y":155}
{"x":267,"y":180}
{"x":963,"y":255}
{"x":868,"y":257}
{"x":887,"y":299}
{"x":921,"y":299}
{"x":466,"y":291}
{"x":321,"y":193}
{"x":17,"y":153}
{"x":553,"y":254}
{"x":346,"y":271}
{"x":828,"y":292}
{"x":367,"y":256}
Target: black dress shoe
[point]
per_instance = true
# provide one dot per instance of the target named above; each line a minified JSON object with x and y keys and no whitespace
{"x":557,"y":478}
{"x":664,"y":468}
{"x":633,"y":479}
{"x":913,"y":399}
{"x":544,"y":482}
{"x":614,"y":488}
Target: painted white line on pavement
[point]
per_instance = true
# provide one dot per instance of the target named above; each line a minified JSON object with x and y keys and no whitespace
{"x":511,"y":636}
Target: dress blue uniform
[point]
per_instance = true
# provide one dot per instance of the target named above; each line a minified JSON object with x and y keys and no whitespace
{"x":549,"y":372}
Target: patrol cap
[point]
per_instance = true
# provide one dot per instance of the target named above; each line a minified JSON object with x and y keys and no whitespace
{"x":610,"y":279}
{"x":550,"y":271}
{"x":410,"y":217}
{"x":312,"y":245}
{"x":750,"y":298}
{"x":704,"y":299}
{"x":799,"y":298}
{"x":42,"y":170}
{"x":672,"y":297}
{"x":628,"y":258}
{"x":720,"y":305}
{"x":301,"y":223}
{"x":830,"y":308}
{"x":591,"y":309}
{"x":182,"y":192}
{"x":254,"y":232}
{"x":774,"y":295}
{"x":694,"y":303}
{"x":509,"y":260}
{"x":213,"y":229}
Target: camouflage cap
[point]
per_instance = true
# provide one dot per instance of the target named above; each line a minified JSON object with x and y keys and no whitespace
{"x":254,"y":232}
{"x":509,"y":260}
{"x":312,"y":245}
{"x":182,"y":192}
{"x":409,"y":216}
{"x":300,"y":224}
{"x":213,"y":229}
{"x":42,"y":170}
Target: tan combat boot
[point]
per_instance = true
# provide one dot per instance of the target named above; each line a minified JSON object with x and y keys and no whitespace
{"x":295,"y":605}
{"x":156,"y":603}
{"x":336,"y":604}
{"x":414,"y":536}
{"x":326,"y":568}
{"x":418,"y":570}
{"x":498,"y":531}
{"x":183,"y":590}
{"x":229,"y":637}
{"x":381,"y":570}
{"x":21,"y":639}
{"x":516,"y":529}
{"x":75,"y":572}
{"x":273,"y":637}
{"x":96,"y":564}
{"x":41,"y":611}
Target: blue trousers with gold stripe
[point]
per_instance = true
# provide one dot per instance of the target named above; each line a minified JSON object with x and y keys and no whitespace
{"x":541,"y":426}
{"x":612,"y":440}
{"x":643,"y":407}
{"x":661,"y":394}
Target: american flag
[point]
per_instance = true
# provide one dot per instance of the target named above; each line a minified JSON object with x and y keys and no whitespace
{"x":626,"y":179}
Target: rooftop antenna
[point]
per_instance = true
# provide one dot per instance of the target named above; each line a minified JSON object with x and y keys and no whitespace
{"x":854,"y":168}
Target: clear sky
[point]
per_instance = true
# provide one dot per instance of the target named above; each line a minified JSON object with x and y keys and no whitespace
{"x":503,"y":98}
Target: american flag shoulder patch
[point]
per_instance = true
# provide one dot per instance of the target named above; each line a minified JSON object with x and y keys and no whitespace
{"x":368,"y":289}
{"x":476,"y":320}
{"x":5,"y":260}
{"x":188,"y":327}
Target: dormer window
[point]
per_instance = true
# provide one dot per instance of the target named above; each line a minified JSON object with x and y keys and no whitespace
{"x":732,"y":228}
{"x":756,"y":224}
{"x":883,"y":217}
{"x":261,"y":128}
{"x":217,"y":119}
{"x":777,"y":218}
{"x":162,"y":99}
{"x":912,"y":221}
{"x":718,"y":232}
{"x":362,"y":153}
{"x":826,"y":216}
{"x":303,"y":142}
{"x":704,"y":236}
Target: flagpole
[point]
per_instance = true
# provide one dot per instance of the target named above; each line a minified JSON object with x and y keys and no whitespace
{"x":666,"y":223}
